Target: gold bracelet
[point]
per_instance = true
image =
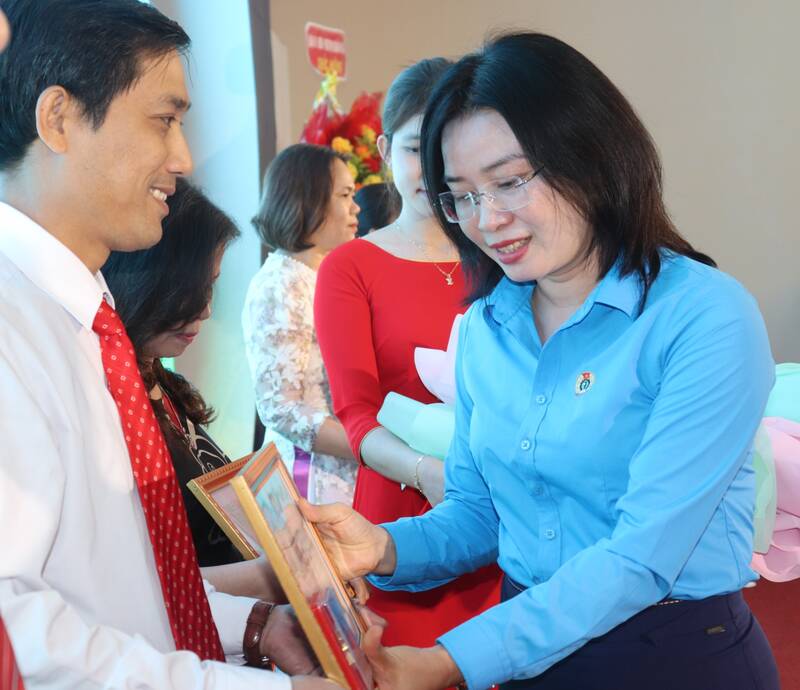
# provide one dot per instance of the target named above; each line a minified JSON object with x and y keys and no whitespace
{"x":417,"y":484}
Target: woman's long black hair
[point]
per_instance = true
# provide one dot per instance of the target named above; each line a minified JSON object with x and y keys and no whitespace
{"x":162,"y":288}
{"x":572,"y":122}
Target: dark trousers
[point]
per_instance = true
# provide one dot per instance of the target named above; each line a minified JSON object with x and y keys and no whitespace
{"x":710,"y":644}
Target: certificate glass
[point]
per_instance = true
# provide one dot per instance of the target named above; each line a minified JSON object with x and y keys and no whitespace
{"x":217,"y":496}
{"x":321,"y":601}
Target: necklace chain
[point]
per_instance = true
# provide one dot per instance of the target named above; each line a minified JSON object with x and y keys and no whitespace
{"x":448,"y":275}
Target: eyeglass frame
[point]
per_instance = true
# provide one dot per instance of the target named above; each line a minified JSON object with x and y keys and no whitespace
{"x":474,"y":197}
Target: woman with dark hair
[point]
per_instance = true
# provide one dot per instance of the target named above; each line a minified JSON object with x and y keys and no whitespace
{"x":378,"y":299}
{"x":163,"y":295}
{"x":610,"y":382}
{"x":380,"y":206}
{"x":307,"y":209}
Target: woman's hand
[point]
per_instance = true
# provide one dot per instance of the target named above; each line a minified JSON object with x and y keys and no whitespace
{"x":431,"y":479}
{"x":409,"y":668}
{"x":356,"y":546}
{"x":359,"y":585}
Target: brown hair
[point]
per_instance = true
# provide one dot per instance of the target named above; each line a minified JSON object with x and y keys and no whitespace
{"x":297,"y":193}
{"x":168,"y":285}
{"x":409,"y":91}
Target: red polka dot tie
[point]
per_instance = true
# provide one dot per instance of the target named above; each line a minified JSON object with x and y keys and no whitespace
{"x":9,"y":674}
{"x":187,"y":605}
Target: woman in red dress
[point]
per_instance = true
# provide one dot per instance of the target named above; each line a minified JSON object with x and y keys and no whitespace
{"x":377,"y":300}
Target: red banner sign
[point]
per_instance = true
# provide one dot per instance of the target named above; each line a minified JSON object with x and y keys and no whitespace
{"x":325,"y":48}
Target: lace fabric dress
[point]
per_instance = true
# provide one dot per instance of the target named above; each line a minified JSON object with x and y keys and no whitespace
{"x":292,"y":392}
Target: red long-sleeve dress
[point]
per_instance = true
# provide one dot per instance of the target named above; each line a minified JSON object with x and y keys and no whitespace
{"x":372,"y":309}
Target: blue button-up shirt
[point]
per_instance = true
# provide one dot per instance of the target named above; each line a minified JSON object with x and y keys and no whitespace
{"x":604,"y":470}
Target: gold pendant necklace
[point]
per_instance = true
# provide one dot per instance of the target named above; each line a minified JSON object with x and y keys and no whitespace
{"x":448,"y":275}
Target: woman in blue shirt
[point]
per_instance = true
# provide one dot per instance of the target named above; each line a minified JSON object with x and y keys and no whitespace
{"x":610,"y":382}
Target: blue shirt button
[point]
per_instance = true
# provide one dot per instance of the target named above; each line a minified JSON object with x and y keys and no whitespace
{"x":549,"y":534}
{"x":541,"y":399}
{"x":538,"y":490}
{"x":525,"y":445}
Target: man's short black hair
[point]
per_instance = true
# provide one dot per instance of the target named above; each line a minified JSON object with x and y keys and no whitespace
{"x":93,"y":48}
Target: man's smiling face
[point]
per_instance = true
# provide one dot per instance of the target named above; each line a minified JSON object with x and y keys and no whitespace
{"x":124,"y":170}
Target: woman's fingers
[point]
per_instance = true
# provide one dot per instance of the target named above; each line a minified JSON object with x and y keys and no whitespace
{"x":359,"y":585}
{"x":371,"y":618}
{"x":328,"y":512}
{"x":352,"y":541}
{"x":375,"y":651}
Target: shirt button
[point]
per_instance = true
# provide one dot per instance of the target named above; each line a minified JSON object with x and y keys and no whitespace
{"x":541,"y":399}
{"x":525,"y":444}
{"x":535,"y":580}
{"x":549,"y":534}
{"x":538,"y":490}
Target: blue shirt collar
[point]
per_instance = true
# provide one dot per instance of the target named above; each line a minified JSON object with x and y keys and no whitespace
{"x":622,"y":293}
{"x":618,"y":292}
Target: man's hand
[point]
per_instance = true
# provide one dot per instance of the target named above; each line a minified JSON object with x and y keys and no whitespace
{"x":356,"y":546}
{"x":283,"y":641}
{"x":409,"y":668}
{"x":254,"y":578}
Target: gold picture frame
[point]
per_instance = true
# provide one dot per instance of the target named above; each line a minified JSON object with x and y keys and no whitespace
{"x":214,"y":492}
{"x":320,"y":599}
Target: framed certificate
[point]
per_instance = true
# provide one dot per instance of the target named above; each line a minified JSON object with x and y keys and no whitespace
{"x":217,"y":496}
{"x":321,"y":600}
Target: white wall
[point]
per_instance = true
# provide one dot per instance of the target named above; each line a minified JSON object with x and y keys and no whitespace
{"x":715,"y":81}
{"x":221,"y":129}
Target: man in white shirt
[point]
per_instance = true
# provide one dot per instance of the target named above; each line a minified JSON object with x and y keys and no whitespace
{"x":92,"y":100}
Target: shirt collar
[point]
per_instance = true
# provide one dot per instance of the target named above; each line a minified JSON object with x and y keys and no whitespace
{"x":614,"y":291}
{"x":51,"y":266}
{"x":619,"y":292}
{"x":507,"y":299}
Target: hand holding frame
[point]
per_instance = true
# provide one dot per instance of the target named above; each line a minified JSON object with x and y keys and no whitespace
{"x":356,"y":546}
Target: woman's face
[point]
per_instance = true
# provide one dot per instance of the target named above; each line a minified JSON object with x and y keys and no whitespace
{"x":545,"y":240}
{"x":172,"y":343}
{"x":403,"y":159}
{"x":341,"y":220}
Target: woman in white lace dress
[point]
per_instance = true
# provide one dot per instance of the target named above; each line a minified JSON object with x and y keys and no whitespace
{"x":307,"y":210}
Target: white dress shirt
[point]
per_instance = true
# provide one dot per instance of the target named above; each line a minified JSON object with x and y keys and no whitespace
{"x":79,"y":591}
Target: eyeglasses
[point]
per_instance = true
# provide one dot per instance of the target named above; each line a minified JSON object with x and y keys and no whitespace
{"x":507,"y":194}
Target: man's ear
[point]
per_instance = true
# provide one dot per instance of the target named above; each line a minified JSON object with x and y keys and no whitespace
{"x":54,"y":107}
{"x":384,"y":149}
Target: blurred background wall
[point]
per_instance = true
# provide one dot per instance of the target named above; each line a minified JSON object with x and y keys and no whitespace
{"x":223,"y":132}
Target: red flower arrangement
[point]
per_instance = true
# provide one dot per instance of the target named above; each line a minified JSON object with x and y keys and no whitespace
{"x":353,"y":135}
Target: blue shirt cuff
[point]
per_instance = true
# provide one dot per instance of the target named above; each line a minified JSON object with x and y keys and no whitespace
{"x":479,"y":653}
{"x":413,"y":558}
